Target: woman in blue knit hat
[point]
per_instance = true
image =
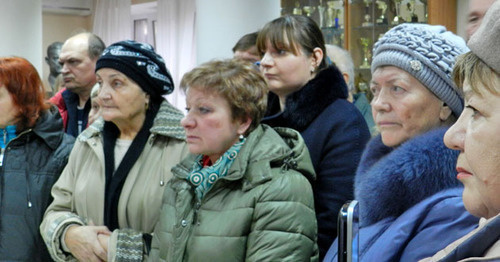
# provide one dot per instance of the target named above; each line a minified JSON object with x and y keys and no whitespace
{"x":110,"y":191}
{"x":409,"y":199}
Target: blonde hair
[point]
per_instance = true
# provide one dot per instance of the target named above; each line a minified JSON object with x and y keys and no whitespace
{"x":243,"y":87}
{"x":95,"y":91}
{"x":469,"y":67}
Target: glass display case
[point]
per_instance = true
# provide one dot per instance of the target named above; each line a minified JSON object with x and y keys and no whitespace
{"x":329,"y":15}
{"x":357,"y":24}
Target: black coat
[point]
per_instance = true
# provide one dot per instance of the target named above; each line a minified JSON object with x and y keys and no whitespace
{"x":335,"y":133}
{"x":32,"y":163}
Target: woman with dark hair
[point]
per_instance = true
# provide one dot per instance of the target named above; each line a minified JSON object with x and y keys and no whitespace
{"x":34,"y":151}
{"x":309,"y":96}
{"x":110,"y":192}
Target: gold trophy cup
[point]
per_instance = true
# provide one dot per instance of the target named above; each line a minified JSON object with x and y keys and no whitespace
{"x":365,"y":44}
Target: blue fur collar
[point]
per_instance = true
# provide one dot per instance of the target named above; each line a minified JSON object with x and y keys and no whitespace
{"x":391,"y":180}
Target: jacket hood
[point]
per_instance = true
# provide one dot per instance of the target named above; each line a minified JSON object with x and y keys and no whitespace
{"x":303,"y":106}
{"x":391,"y":180}
{"x":275,"y":147}
{"x":166,"y":123}
{"x":264,"y":149}
{"x":49,"y":127}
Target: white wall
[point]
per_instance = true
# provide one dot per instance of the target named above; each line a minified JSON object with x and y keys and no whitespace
{"x":220,"y":23}
{"x":462,"y":12}
{"x":21,"y":30}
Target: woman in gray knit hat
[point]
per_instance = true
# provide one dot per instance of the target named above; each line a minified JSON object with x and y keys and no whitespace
{"x":110,"y":192}
{"x":409,"y":198}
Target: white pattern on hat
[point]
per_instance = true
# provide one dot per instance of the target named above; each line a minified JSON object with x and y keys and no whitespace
{"x":433,"y":47}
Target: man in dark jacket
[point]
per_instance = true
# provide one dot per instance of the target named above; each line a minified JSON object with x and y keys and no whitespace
{"x":78,"y":58}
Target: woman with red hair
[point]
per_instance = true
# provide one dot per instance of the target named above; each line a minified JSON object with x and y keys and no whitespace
{"x":34,"y":151}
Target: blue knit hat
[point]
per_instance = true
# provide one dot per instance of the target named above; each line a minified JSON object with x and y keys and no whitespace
{"x":428,"y":53}
{"x":141,"y":63}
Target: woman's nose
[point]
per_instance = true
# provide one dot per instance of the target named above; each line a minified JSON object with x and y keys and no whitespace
{"x":266,"y":60}
{"x":103,"y":93}
{"x":380,"y":102}
{"x":187,"y":122}
{"x":454,"y":138}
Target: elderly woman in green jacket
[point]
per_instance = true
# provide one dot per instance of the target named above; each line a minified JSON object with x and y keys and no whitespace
{"x":243,"y":193}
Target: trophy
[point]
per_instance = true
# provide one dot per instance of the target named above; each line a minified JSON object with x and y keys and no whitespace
{"x":309,"y":10}
{"x":339,"y":8}
{"x":365,"y":43}
{"x":411,"y":7}
{"x":367,"y":16}
{"x":397,"y":18}
{"x":321,"y":11}
{"x":382,"y":5}
{"x":297,"y":10}
{"x":330,"y":14}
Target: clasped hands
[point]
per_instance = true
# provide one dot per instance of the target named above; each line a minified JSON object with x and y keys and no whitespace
{"x":88,"y":243}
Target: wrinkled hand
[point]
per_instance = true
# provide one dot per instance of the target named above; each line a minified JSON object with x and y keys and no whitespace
{"x":103,"y":240}
{"x":83,"y":242}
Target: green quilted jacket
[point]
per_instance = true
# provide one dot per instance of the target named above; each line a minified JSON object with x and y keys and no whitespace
{"x":263,"y":210}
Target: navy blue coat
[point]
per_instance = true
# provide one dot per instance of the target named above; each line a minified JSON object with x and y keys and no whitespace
{"x":410,"y":200}
{"x":335,"y":133}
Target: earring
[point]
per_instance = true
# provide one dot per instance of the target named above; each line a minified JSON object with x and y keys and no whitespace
{"x":313,"y":69}
{"x":241,"y":138}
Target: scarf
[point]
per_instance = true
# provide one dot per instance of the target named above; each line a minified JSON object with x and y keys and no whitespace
{"x":115,"y":179}
{"x":8,"y":133}
{"x":203,"y":177}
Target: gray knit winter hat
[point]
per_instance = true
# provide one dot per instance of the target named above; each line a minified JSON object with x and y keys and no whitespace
{"x":485,"y":42}
{"x":428,"y":53}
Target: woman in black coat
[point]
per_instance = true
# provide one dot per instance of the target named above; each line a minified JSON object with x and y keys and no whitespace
{"x":309,"y":95}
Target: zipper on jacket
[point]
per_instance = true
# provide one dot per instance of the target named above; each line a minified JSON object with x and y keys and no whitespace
{"x":196,"y":210}
{"x":28,"y":187}
{"x":3,"y":149}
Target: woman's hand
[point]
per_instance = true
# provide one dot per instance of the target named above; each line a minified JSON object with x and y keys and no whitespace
{"x":103,"y":240}
{"x":84,"y":244}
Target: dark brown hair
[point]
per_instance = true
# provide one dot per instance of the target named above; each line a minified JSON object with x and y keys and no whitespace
{"x":291,"y":32}
{"x":246,"y":42}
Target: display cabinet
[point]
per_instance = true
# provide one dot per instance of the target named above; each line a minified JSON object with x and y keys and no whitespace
{"x":357,"y":24}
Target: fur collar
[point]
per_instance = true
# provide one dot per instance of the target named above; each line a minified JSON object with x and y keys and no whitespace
{"x":303,"y":106}
{"x":389,"y":181}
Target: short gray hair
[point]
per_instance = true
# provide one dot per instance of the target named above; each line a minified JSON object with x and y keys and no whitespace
{"x":343,"y":60}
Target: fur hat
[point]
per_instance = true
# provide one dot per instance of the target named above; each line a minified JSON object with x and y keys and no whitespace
{"x":141,"y":63}
{"x":426,"y":52}
{"x":485,"y":42}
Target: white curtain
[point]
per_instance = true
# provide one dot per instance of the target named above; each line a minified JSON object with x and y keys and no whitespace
{"x":112,"y":20}
{"x":176,"y":43}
